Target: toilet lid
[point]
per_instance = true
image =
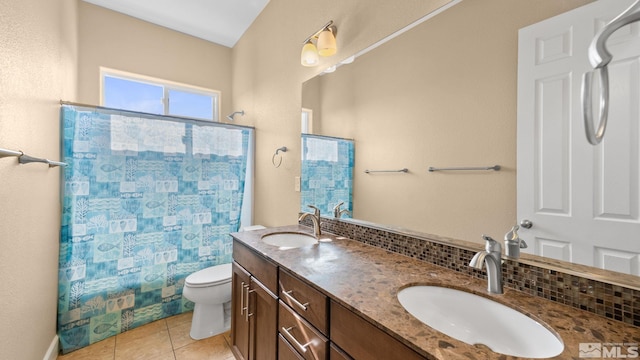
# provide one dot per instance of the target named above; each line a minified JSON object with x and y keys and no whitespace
{"x":210,"y":276}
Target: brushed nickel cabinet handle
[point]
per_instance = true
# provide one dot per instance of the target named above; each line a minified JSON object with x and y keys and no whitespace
{"x":242,"y":308}
{"x":246,"y":314}
{"x":292,"y":339}
{"x":288,"y":295}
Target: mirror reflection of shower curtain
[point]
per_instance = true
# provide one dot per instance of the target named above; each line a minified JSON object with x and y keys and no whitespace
{"x":147,"y":200}
{"x":326,"y":173}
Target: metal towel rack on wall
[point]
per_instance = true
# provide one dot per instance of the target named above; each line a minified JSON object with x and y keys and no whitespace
{"x":26,"y":159}
{"x":600,"y":57}
{"x":479,"y":168}
{"x":405,"y":170}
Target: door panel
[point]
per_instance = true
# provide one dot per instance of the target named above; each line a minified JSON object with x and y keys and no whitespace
{"x":584,"y":201}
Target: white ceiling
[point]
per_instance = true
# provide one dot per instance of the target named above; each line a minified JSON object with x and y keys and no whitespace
{"x":220,"y":21}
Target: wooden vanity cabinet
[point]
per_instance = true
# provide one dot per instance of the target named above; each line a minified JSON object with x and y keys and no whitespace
{"x":309,"y":303}
{"x":303,"y":318}
{"x":302,"y":336}
{"x":254,"y":306}
{"x":286,"y":350}
{"x":362,"y":340}
{"x":336,"y":354}
{"x":240,"y":281}
{"x":276,"y":315}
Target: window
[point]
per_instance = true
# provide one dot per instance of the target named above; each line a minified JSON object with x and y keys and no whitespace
{"x":307,"y":121}
{"x":126,"y":91}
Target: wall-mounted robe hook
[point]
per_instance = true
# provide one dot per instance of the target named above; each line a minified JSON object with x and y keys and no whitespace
{"x":273,"y":158}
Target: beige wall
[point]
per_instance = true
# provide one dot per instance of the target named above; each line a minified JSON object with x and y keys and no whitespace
{"x":267,"y":78}
{"x":38,"y":56}
{"x":113,"y":40}
{"x":442,"y":95}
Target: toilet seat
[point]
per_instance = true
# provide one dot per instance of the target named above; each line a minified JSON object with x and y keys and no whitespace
{"x":214,"y":275}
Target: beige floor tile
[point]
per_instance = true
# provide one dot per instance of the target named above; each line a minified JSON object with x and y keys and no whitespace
{"x":102,"y":350}
{"x":153,"y":345}
{"x":180,"y":335}
{"x":213,"y":348}
{"x":151,"y":356}
{"x":179,"y":320}
{"x":166,"y":339}
{"x":142,"y":331}
{"x":227,"y":337}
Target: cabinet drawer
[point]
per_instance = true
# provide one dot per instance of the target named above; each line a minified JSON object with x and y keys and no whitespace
{"x":337,"y":354}
{"x":362,"y":340}
{"x":286,"y":351}
{"x":310,"y":303}
{"x":261,"y":268}
{"x":309,"y":342}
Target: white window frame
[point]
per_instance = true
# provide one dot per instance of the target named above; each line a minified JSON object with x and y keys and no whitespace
{"x":306,"y":126}
{"x":166,"y":85}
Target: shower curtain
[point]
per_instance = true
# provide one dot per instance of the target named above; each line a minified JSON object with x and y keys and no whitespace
{"x":326,"y":173}
{"x":147,"y":200}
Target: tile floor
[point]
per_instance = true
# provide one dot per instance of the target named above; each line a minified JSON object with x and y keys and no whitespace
{"x":166,"y":339}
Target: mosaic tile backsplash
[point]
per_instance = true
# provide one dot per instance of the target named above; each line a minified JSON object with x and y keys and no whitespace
{"x":609,"y":300}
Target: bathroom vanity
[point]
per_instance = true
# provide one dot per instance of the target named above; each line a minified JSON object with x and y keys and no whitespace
{"x":337,"y":299}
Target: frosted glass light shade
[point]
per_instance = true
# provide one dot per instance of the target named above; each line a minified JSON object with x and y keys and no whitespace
{"x":326,"y":43}
{"x":309,"y":55}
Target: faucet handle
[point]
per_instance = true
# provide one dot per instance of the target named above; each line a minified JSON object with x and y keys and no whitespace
{"x":336,"y":210}
{"x":316,"y":211}
{"x":512,"y":235}
{"x":492,"y":245}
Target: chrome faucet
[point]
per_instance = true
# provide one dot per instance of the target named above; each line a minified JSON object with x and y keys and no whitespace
{"x":337,"y":213}
{"x":513,"y":243}
{"x":492,"y":257}
{"x":315,"y":219}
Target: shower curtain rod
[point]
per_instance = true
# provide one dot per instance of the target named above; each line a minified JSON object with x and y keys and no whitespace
{"x":145,"y":114}
{"x":26,"y":159}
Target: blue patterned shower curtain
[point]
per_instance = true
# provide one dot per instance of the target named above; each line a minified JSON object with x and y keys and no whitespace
{"x":147,"y":200}
{"x":326,"y":173}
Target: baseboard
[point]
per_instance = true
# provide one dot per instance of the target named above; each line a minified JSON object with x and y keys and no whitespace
{"x":52,"y":352}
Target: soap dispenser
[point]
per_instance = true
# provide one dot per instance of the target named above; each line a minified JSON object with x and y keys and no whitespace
{"x":513,"y":243}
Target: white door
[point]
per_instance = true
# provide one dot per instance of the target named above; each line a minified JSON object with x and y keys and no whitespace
{"x":583,"y":201}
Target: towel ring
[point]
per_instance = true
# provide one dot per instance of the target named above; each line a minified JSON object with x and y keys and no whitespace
{"x":594,"y":136}
{"x":273,"y":158}
{"x":599,"y":57}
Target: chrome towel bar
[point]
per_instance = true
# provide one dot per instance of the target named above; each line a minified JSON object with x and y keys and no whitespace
{"x":405,"y":170}
{"x":26,"y":159}
{"x":494,"y":167}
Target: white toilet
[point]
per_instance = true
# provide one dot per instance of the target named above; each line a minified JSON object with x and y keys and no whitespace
{"x":210,"y":290}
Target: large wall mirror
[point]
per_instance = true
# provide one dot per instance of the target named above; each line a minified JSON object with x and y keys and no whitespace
{"x":443,"y":94}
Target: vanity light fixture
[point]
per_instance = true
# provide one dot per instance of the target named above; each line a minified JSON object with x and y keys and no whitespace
{"x":330,"y":69}
{"x":325,"y":45}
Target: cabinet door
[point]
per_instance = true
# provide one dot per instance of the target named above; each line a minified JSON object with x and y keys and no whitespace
{"x":240,"y":283}
{"x":362,"y":340}
{"x":263,"y":322}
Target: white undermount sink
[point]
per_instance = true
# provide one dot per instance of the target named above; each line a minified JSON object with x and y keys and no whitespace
{"x":475,"y":320}
{"x":289,"y":240}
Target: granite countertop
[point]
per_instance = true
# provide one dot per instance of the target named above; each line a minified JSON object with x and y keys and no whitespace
{"x":367,"y":279}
